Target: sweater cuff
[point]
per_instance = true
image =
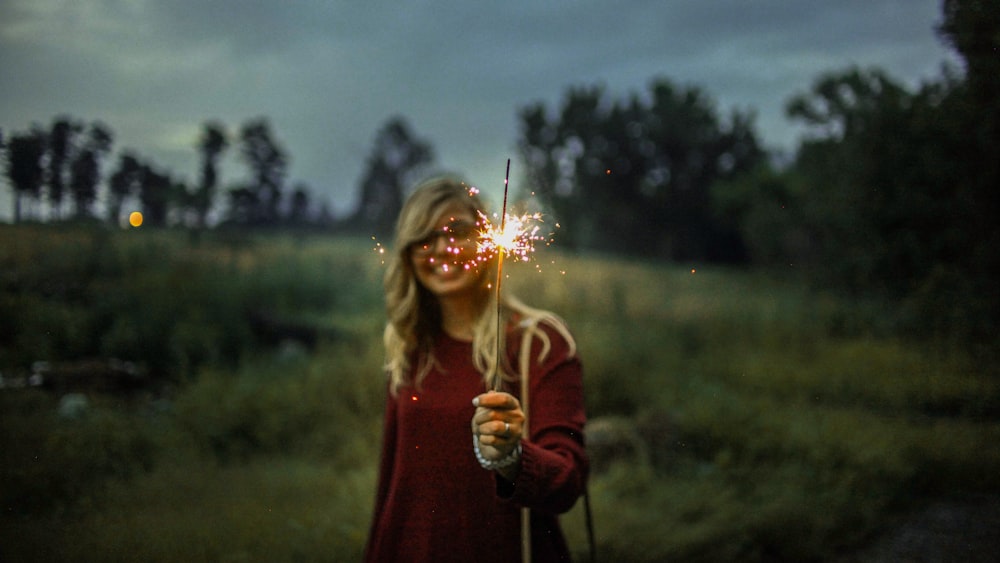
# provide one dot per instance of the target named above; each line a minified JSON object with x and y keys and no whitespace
{"x":525,"y":486}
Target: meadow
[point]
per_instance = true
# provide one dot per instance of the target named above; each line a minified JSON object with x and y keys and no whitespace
{"x":737,"y":415}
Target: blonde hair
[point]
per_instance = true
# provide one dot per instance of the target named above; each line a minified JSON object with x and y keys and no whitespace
{"x":413,"y":314}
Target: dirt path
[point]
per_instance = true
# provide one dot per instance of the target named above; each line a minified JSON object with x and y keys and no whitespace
{"x":965,"y":530}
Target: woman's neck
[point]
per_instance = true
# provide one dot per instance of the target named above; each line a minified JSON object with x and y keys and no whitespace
{"x":458,"y":318}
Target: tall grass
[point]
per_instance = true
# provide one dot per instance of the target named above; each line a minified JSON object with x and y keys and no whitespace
{"x":776,"y":423}
{"x":168,"y":302}
{"x":272,"y":462}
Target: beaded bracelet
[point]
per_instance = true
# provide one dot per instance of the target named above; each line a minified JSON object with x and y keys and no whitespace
{"x":511,"y":458}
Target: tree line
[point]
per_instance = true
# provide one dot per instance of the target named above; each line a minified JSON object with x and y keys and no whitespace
{"x":892,"y":194}
{"x":61,"y":166}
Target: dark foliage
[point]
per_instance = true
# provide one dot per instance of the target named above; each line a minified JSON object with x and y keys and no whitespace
{"x":397,"y":157}
{"x":633,"y":176}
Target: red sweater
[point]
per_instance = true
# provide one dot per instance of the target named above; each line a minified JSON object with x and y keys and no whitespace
{"x":434,"y":502}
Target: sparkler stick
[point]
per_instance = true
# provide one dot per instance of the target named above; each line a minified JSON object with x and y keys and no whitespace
{"x":497,"y":380}
{"x":516,"y":236}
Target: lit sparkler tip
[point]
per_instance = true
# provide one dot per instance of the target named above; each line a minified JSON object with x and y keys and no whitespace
{"x":515,"y":236}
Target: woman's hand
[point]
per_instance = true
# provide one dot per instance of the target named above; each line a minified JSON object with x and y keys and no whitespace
{"x":498,"y":423}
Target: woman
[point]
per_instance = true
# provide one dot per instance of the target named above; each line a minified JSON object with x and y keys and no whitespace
{"x":457,"y":465}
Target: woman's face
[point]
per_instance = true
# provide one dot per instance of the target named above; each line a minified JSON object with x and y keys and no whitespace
{"x":445,"y":262}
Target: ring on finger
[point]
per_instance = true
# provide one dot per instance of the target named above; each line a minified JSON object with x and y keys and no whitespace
{"x":506,"y":430}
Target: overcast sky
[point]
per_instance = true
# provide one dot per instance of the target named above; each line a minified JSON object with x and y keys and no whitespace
{"x":328,"y":74}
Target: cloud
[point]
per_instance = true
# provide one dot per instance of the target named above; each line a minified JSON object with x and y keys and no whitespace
{"x":328,"y":74}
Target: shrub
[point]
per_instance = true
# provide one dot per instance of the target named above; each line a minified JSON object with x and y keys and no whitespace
{"x":51,"y":461}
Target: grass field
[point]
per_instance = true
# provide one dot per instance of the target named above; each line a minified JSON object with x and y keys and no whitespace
{"x":764,"y":421}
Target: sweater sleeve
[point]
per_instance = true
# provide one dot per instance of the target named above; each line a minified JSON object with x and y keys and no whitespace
{"x":554,"y":463}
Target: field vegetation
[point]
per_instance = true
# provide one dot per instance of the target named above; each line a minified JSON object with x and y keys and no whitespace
{"x":738,"y":415}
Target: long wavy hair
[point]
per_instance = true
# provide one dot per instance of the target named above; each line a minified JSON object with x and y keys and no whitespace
{"x":414,"y":315}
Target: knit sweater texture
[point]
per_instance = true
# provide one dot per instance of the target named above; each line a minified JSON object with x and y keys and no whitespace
{"x":435,"y":503}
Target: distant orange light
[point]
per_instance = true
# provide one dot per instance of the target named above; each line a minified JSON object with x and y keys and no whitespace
{"x":135,"y":219}
{"x":608,"y":171}
{"x":693,"y":270}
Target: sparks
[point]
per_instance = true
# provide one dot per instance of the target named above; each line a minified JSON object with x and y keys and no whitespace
{"x":512,"y":237}
{"x":507,"y":236}
{"x":379,"y":249}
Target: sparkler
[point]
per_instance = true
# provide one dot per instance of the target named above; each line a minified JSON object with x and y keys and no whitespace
{"x":514,"y":237}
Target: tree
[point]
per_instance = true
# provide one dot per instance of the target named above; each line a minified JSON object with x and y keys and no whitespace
{"x":213,"y":142}
{"x":972,"y":28}
{"x":156,"y":192}
{"x":854,"y":166}
{"x":298,"y":210}
{"x":243,"y":206}
{"x":766,"y":207}
{"x":124,"y":182}
{"x":62,"y":145}
{"x":85,"y":170}
{"x":886,"y":204}
{"x":396,"y":157}
{"x":634,"y":175}
{"x":268,"y":164}
{"x":888,"y":190}
{"x":25,"y":169}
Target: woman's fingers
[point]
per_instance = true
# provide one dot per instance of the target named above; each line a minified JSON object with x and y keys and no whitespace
{"x":493,"y":427}
{"x":498,"y":420}
{"x":496,"y":400}
{"x":490,"y":421}
{"x":494,"y":432}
